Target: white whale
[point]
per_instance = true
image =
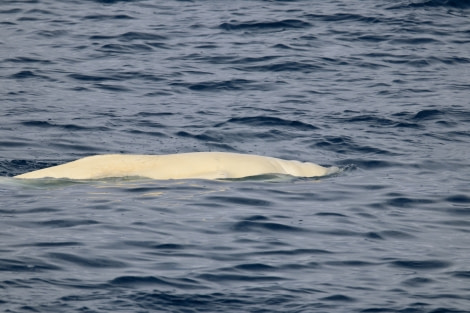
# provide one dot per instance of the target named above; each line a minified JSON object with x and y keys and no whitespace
{"x":203,"y":165}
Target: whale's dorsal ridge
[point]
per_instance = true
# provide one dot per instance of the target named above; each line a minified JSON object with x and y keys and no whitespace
{"x":204,"y":165}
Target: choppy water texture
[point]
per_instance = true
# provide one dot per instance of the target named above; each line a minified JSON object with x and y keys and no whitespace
{"x":379,"y":88}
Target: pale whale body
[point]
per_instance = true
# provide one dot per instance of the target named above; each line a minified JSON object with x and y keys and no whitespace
{"x":203,"y":165}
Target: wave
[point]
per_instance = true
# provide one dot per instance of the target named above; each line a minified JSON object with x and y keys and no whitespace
{"x":282,"y":24}
{"x":456,"y":4}
{"x":275,"y":122}
{"x":130,"y":36}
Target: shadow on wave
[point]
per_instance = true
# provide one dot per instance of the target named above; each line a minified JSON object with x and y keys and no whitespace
{"x":283,"y":24}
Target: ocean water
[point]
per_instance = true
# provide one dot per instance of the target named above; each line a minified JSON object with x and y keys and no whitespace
{"x":380,"y":89}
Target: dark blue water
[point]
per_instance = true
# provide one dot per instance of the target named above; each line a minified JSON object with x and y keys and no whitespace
{"x":379,"y":88}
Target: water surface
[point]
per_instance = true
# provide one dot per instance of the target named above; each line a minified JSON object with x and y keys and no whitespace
{"x":379,"y":89}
